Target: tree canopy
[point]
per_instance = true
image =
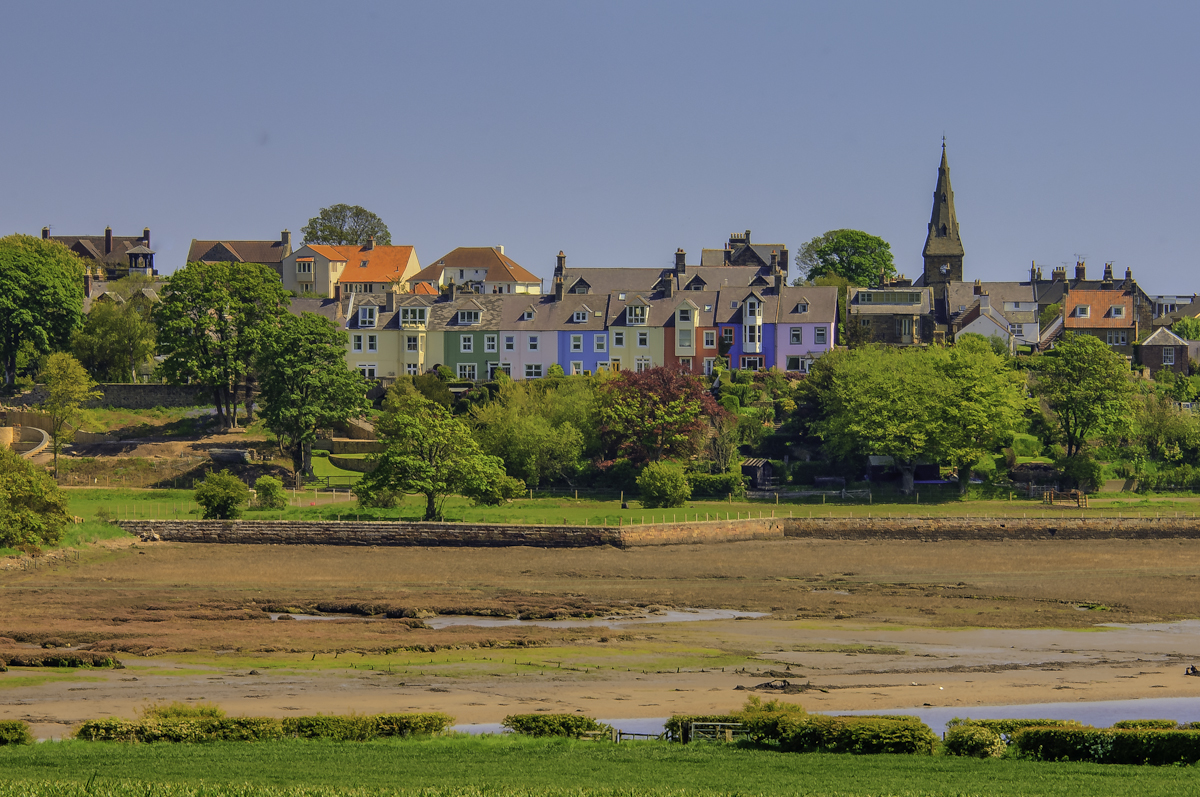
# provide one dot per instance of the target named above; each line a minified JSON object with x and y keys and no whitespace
{"x":118,"y":337}
{"x":339,"y":225}
{"x":33,"y":511}
{"x":1187,"y":328}
{"x":213,"y":321}
{"x":304,"y":384}
{"x":41,"y":297}
{"x":857,"y":256}
{"x":1086,"y":385}
{"x":431,"y":452}
{"x":659,"y":412}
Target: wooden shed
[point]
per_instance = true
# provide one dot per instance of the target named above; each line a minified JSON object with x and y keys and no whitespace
{"x":761,"y":474}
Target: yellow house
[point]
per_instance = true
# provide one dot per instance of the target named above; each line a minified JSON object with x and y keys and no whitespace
{"x":321,"y":270}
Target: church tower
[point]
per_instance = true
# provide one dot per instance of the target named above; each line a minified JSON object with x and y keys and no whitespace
{"x":943,"y":248}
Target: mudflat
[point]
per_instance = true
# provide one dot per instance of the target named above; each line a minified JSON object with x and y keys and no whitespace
{"x":849,"y":625}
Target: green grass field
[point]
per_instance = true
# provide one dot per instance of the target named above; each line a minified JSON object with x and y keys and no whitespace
{"x":503,"y":765}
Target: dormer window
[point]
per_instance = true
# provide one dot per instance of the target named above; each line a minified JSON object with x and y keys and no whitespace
{"x":733,"y":305}
{"x":621,"y":297}
{"x":579,"y":316}
{"x":468,"y":316}
{"x":526,"y":316}
{"x":751,"y":309}
{"x":802,"y":307}
{"x":1083,"y":311}
{"x":412,"y":315}
{"x":636,"y":314}
{"x":685,"y":315}
{"x":366,"y":317}
{"x":1116,"y":311}
{"x":362,"y":264}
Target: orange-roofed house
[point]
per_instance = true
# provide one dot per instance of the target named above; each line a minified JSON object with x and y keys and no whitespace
{"x":321,"y":269}
{"x":478,"y":269}
{"x":1107,"y":314}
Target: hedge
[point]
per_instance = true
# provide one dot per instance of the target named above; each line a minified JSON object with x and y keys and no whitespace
{"x":858,"y":735}
{"x":14,"y":732}
{"x":1162,"y":725}
{"x":58,"y":658}
{"x":717,"y":484}
{"x":212,"y":729}
{"x":974,"y":741}
{"x":1006,"y":728}
{"x":1109,"y":745}
{"x":570,"y":725}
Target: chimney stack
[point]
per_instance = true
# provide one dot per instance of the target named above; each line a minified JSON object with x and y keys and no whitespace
{"x":669,"y":291}
{"x":559,"y":289}
{"x":108,"y":240}
{"x":87,"y":284}
{"x":452,"y":290}
{"x":1128,"y":279}
{"x":774,"y":261}
{"x":1080,"y":270}
{"x":680,"y":264}
{"x":985,"y":302}
{"x":778,"y":283}
{"x":389,"y":305}
{"x":370,"y":243}
{"x":978,"y":289}
{"x":285,"y":240}
{"x":337,"y":292}
{"x":146,"y":236}
{"x":728,"y":253}
{"x":561,"y":264}
{"x":499,"y":249}
{"x":45,"y":233}
{"x":1059,"y":274}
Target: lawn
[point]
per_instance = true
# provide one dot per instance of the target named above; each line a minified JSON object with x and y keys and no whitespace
{"x":504,"y":765}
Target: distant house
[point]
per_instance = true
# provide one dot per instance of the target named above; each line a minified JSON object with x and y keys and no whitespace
{"x":110,"y":257}
{"x":897,"y":314}
{"x":479,"y":269}
{"x":1011,"y":310}
{"x":324,"y":270}
{"x":1164,"y":350}
{"x":1108,"y":313}
{"x":268,"y":253}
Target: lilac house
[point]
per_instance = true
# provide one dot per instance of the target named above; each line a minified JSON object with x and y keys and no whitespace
{"x":805,"y":325}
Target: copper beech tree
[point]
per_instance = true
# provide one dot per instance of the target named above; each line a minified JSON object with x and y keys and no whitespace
{"x":656,"y":413}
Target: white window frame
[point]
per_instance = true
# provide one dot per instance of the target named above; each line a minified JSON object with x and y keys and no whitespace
{"x":489,"y":343}
{"x":643,"y":340}
{"x":636,"y":314}
{"x":757,"y":359}
{"x":576,"y":367}
{"x":1117,"y":337}
{"x":577,"y":343}
{"x":685,"y":315}
{"x":1116,"y":311}
{"x":619,"y":340}
{"x":412,"y":343}
{"x":366,"y":317}
{"x":468,"y":317}
{"x":819,"y":334}
{"x":468,"y":371}
{"x":412,"y":369}
{"x":579,"y":316}
{"x":727,"y":335}
{"x":600,"y":343}
{"x":372,"y":343}
{"x":788,"y":362}
{"x":1168,"y":357}
{"x":642,"y":364}
{"x":751,"y":334}
{"x":685,"y":362}
{"x":466,"y":344}
{"x":710,"y":339}
{"x":797,"y":336}
{"x":709,"y":362}
{"x":533,"y":370}
{"x":533,"y":342}
{"x":510,"y":342}
{"x":356,"y":343}
{"x":1083,"y":311}
{"x":304,"y":266}
{"x":368,"y":370}
{"x":412,"y":315}
{"x":684,"y":338}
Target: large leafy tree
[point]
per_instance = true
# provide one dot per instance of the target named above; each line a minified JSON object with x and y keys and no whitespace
{"x":41,"y":297}
{"x":1187,"y":328}
{"x":213,"y":320}
{"x":431,"y":452}
{"x":859,"y":257}
{"x":1086,"y":384}
{"x":982,"y":402}
{"x":657,"y":413}
{"x":304,"y":384}
{"x":33,"y":511}
{"x":68,"y":388}
{"x":883,"y":402}
{"x":339,"y":225}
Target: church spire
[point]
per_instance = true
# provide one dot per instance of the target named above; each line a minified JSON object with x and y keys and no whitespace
{"x":943,"y":248}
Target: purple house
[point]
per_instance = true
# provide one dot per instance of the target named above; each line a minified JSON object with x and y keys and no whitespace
{"x":805,"y":326}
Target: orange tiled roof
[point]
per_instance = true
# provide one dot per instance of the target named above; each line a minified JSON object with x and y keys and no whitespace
{"x":382,"y":264}
{"x":499,"y":268}
{"x":424,"y":289}
{"x":1098,"y":302}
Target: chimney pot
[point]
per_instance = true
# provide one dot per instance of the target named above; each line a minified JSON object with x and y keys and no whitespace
{"x":146,"y":236}
{"x":561,"y":264}
{"x":1080,"y":270}
{"x":680,"y":260}
{"x":45,"y":232}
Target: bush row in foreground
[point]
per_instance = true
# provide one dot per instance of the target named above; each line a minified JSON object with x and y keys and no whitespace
{"x":212,"y":729}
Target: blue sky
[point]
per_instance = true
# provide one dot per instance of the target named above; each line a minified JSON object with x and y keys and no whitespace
{"x":614,"y":131}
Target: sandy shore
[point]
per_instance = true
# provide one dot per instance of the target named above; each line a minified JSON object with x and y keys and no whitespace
{"x":909,"y":667}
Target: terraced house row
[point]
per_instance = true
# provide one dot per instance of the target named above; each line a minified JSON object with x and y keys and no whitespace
{"x":686,"y":317}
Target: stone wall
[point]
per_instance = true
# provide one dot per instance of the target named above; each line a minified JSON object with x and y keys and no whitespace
{"x":367,"y":533}
{"x":394,"y":533}
{"x":130,"y":397}
{"x":38,"y":420}
{"x":356,"y":465}
{"x":342,"y":445}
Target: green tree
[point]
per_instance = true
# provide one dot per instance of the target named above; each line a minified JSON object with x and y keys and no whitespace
{"x":213,"y":320}
{"x":657,"y":413}
{"x":859,"y":257}
{"x":883,"y":402}
{"x":68,"y":388}
{"x":428,"y":451}
{"x":345,"y":225}
{"x":304,"y":384}
{"x":269,"y":493}
{"x":1048,"y":314}
{"x":222,"y":495}
{"x":116,"y":338}
{"x":1086,"y":385}
{"x":41,"y":297}
{"x":982,"y":402}
{"x":1187,"y":328}
{"x":33,"y":511}
{"x":663,"y":484}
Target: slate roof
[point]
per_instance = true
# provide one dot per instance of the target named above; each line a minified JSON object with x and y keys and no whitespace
{"x":330,"y":308}
{"x":265,"y":252}
{"x":1164,"y":337}
{"x":608,"y":280}
{"x":497,"y":267}
{"x":924,"y":307}
{"x":720,"y":277}
{"x":91,"y":247}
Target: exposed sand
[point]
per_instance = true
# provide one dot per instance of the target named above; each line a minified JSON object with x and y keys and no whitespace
{"x":938,"y":667}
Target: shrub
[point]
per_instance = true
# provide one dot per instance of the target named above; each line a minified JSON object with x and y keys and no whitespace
{"x":717,"y":484}
{"x":663,"y":484}
{"x":269,"y":493}
{"x":1006,"y":728}
{"x":731,"y":404}
{"x":765,"y":721}
{"x":1010,"y":458}
{"x":974,"y":741}
{"x":1109,"y":745}
{"x":1026,"y":445}
{"x":180,"y":710}
{"x":494,"y":492}
{"x":1164,"y":725}
{"x":1081,"y":472}
{"x":14,"y":732}
{"x":570,"y":725}
{"x":200,"y":729}
{"x":379,"y":499}
{"x":413,"y":724}
{"x":222,"y":495}
{"x":555,"y":371}
{"x":857,"y":735}
{"x":353,"y":728}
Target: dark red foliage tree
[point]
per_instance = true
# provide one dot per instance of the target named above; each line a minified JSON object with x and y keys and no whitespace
{"x":657,"y":413}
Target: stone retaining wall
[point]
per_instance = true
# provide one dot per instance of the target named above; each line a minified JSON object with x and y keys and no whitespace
{"x":395,"y":533}
{"x":348,"y":463}
{"x":130,"y":396}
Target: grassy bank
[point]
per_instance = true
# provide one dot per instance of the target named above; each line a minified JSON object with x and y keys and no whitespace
{"x":517,"y":766}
